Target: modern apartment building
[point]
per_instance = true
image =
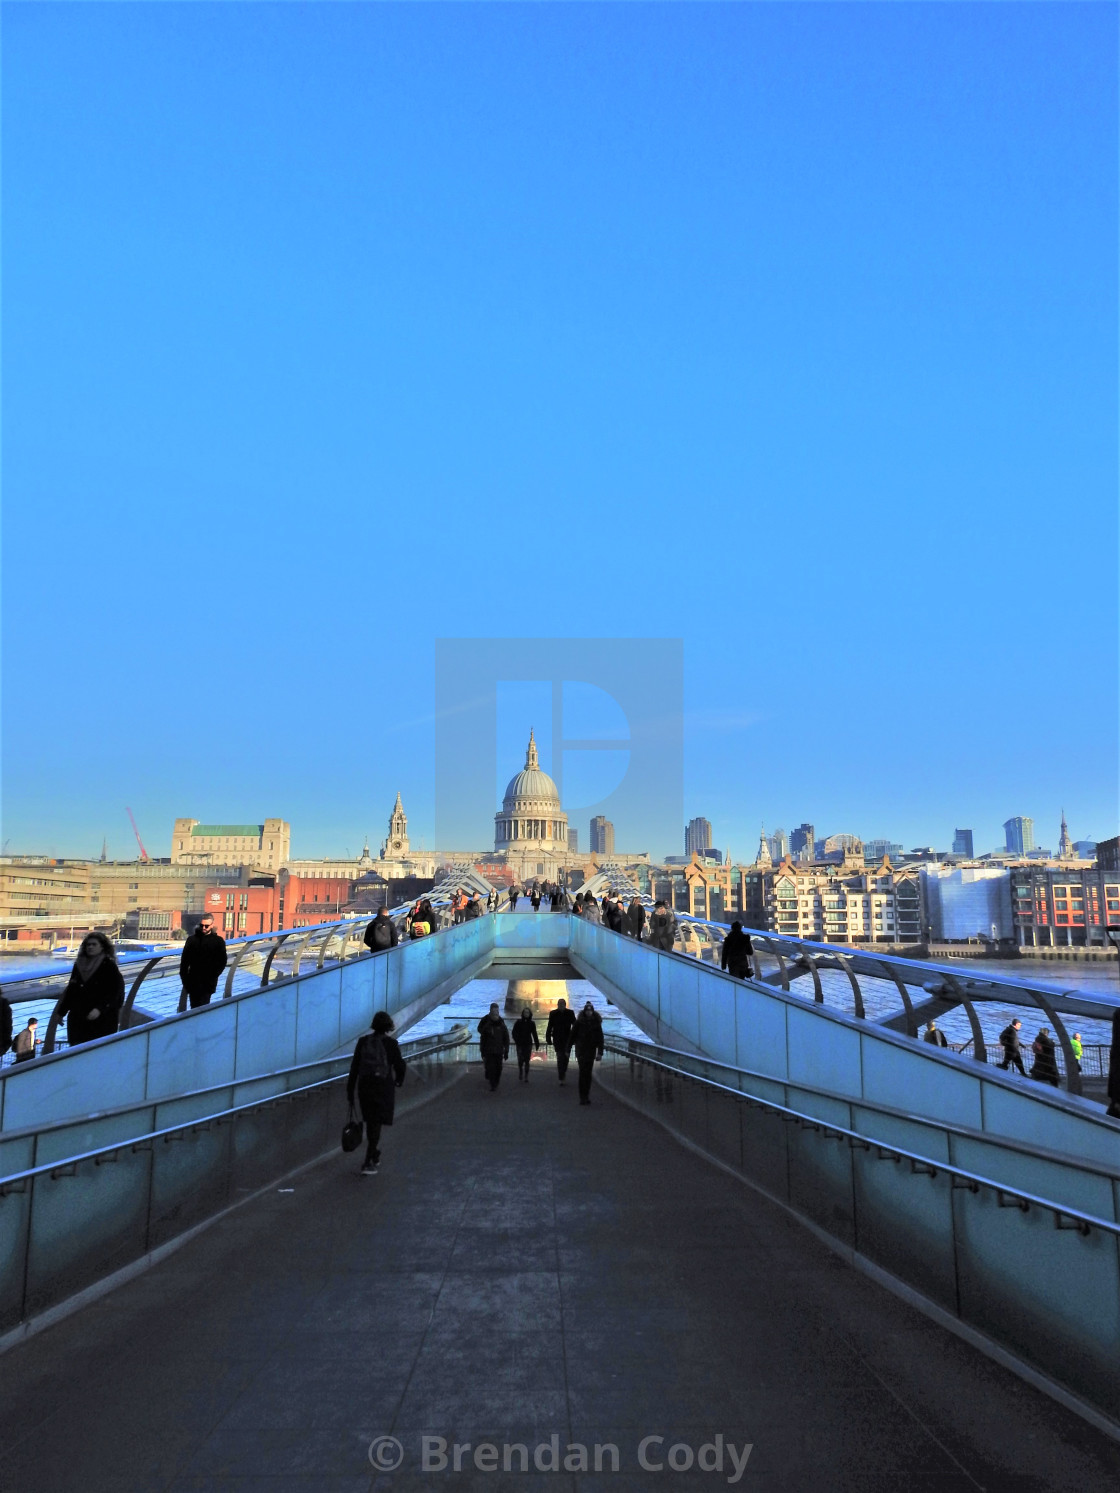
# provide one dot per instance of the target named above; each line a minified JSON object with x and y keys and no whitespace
{"x":1063,"y":906}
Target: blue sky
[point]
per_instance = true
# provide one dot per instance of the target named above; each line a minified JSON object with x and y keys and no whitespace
{"x":331,"y":330}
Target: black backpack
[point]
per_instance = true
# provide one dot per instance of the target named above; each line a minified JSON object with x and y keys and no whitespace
{"x":374,"y":1061}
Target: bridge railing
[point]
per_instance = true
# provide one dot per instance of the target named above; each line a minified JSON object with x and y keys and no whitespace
{"x":73,"y":1221}
{"x":984,"y":1255}
{"x":925,"y":989}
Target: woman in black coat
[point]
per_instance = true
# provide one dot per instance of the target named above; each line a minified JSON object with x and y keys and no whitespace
{"x":1045,"y":1065}
{"x":735,"y":956}
{"x":376,"y":1072}
{"x":94,"y":993}
{"x":526,"y":1041}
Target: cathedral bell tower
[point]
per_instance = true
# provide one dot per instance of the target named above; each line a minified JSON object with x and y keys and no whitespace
{"x":397,"y":842}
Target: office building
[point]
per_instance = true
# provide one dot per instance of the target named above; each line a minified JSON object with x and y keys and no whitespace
{"x":1064,"y":906}
{"x":779,"y":846}
{"x":1019,"y":835}
{"x":801,"y":842}
{"x":267,"y":846}
{"x":964,"y":904}
{"x":697,"y":836}
{"x":602,"y":836}
{"x":875,"y":850}
{"x":962,"y":843}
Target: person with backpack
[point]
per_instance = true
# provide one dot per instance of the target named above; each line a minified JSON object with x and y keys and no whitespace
{"x":1012,"y":1047}
{"x":377,"y":1071}
{"x":559,"y":1034}
{"x":493,"y":1044}
{"x":588,"y":1046}
{"x":526,"y":1041}
{"x":25,"y":1043}
{"x":94,"y":993}
{"x":381,"y":933}
{"x":663,"y":928}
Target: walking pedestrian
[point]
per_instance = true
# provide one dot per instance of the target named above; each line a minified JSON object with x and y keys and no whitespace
{"x":94,"y":993}
{"x":614,"y":916}
{"x":635,"y":918}
{"x":535,"y":898}
{"x":663,"y":927}
{"x":735,"y":955}
{"x":1075,"y":1043}
{"x":473,"y":909}
{"x":24,"y":1045}
{"x":381,"y":933}
{"x":513,"y":894}
{"x":591,"y":911}
{"x":1045,"y":1065}
{"x":560,"y":1033}
{"x":5,"y":1025}
{"x":202,"y":961}
{"x":589,"y":1046}
{"x":376,"y":1071}
{"x":526,"y":1041}
{"x":493,"y":1044}
{"x":934,"y":1035}
{"x":1012,"y":1047}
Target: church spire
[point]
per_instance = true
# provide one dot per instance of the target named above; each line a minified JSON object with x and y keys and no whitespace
{"x":531,"y":758}
{"x":1065,"y":847}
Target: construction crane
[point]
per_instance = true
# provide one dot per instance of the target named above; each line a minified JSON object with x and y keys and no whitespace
{"x":144,"y":856}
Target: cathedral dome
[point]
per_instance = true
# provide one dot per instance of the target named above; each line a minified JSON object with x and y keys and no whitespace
{"x":531,"y":785}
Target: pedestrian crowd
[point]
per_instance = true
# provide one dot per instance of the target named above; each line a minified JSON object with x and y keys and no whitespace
{"x":566,"y":1032}
{"x":1044,"y":1066}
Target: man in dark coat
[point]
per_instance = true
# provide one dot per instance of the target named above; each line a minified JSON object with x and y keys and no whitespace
{"x":560,"y":1033}
{"x":5,"y":1025}
{"x":376,"y":1071}
{"x":934,"y":1035}
{"x":493,"y":1044}
{"x":735,"y":956}
{"x":1012,"y":1047}
{"x":614,"y":916}
{"x":202,"y":962}
{"x":94,"y":993}
{"x":635,"y":918}
{"x":381,"y":933}
{"x":662,"y":928}
{"x":473,"y":909}
{"x":589,"y":1046}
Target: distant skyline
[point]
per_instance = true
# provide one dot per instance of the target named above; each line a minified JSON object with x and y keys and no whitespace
{"x":330,"y":330}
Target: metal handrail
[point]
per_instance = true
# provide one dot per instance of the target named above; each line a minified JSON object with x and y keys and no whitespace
{"x":61,"y":1165}
{"x":887,"y":1150}
{"x":948,"y":1127}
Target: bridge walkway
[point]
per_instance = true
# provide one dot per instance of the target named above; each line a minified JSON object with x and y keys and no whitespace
{"x":520,"y":1266}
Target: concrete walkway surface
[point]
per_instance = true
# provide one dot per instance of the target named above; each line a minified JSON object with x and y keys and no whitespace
{"x":521,"y":1268}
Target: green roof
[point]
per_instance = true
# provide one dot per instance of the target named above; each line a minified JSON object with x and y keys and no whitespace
{"x":229,"y":830}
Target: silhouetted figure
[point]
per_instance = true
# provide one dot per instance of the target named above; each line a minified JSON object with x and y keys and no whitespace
{"x":1012,"y":1047}
{"x":94,"y":993}
{"x":24,"y":1045}
{"x":560,"y":1033}
{"x":663,"y":927}
{"x":513,"y":894}
{"x":591,"y":911}
{"x":635,"y":918}
{"x":1045,"y":1065}
{"x":934,"y":1035}
{"x":376,"y":1071}
{"x":589,"y":1046}
{"x":493,"y":1044}
{"x":735,"y":955}
{"x":202,"y":962}
{"x":526,"y":1041}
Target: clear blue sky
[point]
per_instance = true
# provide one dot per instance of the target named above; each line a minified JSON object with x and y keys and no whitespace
{"x":330,"y":330}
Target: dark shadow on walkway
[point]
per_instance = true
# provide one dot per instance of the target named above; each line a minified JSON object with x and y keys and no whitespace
{"x":521,"y":1266}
